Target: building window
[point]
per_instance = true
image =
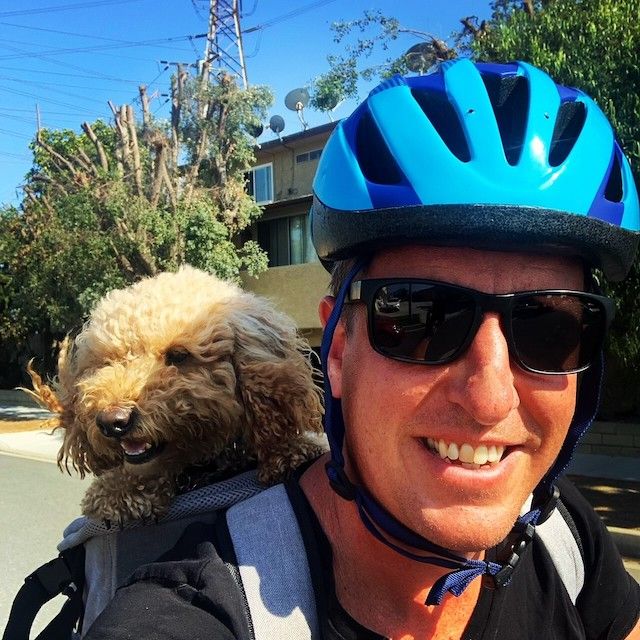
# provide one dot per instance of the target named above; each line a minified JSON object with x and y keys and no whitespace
{"x":287,"y":240}
{"x":260,"y":183}
{"x":306,"y":157}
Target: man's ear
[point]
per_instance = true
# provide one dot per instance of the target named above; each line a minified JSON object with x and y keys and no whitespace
{"x":334,"y":364}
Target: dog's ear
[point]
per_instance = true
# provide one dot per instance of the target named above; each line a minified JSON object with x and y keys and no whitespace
{"x":278,"y":386}
{"x":76,"y":448}
{"x":44,"y":395}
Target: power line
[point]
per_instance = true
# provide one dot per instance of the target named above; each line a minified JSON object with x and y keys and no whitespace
{"x":248,"y":14}
{"x":36,"y":97}
{"x":64,"y":93}
{"x":64,"y":7}
{"x":56,"y":52}
{"x":58,"y":85}
{"x":8,"y":132}
{"x":69,"y":75}
{"x":66,"y":64}
{"x":286,"y":16}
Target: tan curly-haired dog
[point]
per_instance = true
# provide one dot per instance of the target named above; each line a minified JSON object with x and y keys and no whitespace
{"x":177,"y":373}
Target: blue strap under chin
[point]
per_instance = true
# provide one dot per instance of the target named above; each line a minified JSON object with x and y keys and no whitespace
{"x":386,"y":528}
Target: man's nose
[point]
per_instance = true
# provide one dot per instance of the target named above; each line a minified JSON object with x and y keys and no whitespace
{"x":483,"y":381}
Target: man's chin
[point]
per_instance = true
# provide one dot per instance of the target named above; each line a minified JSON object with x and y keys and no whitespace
{"x":470,"y":531}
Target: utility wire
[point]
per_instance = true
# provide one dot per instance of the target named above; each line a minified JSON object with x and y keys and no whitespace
{"x":126,"y":43}
{"x":63,"y":7}
{"x":287,"y":16}
{"x":106,"y":47}
{"x":69,"y":75}
{"x":248,"y":14}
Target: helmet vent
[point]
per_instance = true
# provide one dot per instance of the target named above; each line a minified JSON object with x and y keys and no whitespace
{"x":445,"y":121}
{"x":613,"y":190}
{"x":509,"y":96}
{"x":376,"y":162}
{"x":569,"y":123}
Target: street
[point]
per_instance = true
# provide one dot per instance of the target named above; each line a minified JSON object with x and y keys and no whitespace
{"x":37,"y":501}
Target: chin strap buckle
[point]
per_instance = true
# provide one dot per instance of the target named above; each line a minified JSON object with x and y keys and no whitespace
{"x":549,"y":505}
{"x":503,"y":576}
{"x":339,"y":481}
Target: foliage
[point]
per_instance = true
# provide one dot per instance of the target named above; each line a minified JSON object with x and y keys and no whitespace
{"x":361,"y":39}
{"x":115,"y":203}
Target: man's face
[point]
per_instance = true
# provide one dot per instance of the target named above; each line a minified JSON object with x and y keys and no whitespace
{"x":393,"y":409}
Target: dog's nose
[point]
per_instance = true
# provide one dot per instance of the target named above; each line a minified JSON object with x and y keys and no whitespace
{"x":115,"y":422}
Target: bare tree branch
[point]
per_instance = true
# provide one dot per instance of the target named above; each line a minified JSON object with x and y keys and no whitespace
{"x":528,"y":7}
{"x":144,"y":101}
{"x":104,"y":163}
{"x":81,"y":179}
{"x":135,"y":149}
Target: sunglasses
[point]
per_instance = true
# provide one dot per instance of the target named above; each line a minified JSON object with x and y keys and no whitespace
{"x":423,"y":321}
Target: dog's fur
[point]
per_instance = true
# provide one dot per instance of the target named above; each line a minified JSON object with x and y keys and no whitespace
{"x":214,"y":374}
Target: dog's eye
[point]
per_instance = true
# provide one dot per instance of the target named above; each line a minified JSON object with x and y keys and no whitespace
{"x":176,"y":356}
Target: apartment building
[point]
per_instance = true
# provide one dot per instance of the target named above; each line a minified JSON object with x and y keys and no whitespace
{"x":281,"y":182}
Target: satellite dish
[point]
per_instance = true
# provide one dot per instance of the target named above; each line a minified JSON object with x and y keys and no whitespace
{"x":276,"y":124}
{"x":296,"y":100}
{"x":421,"y":57}
{"x":255,"y":130}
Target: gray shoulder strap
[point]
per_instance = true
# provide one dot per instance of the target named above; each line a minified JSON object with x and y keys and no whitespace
{"x":273,"y":566}
{"x":559,"y":541}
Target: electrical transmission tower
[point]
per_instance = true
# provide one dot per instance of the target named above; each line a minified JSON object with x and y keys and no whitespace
{"x":223,"y":51}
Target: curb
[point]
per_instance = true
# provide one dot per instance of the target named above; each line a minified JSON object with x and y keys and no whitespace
{"x":627,"y":541}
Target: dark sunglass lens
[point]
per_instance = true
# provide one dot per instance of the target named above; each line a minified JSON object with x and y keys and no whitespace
{"x":557,"y":332}
{"x":421,"y":322}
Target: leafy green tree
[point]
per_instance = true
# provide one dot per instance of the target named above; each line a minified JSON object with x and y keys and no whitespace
{"x":362,"y":38}
{"x":114,"y":203}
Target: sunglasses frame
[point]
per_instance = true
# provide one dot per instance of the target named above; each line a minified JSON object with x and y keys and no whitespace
{"x":364,"y":291}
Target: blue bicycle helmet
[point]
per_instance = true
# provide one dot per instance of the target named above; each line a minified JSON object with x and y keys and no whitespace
{"x":484,"y":155}
{"x":488,"y":156}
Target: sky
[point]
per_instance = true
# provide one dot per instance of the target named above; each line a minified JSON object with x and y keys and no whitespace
{"x":68,"y":58}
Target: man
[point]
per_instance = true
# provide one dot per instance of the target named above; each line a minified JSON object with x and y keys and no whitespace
{"x":462,"y":214}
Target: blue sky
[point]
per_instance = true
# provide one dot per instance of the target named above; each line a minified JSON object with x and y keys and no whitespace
{"x":71,"y":56}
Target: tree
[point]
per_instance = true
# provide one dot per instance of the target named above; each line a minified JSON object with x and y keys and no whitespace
{"x":361,"y":39}
{"x":114,"y":203}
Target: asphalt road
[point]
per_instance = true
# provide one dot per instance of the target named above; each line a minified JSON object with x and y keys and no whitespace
{"x":36,"y":503}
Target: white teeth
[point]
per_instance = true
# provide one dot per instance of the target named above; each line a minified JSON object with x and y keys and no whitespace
{"x":465,"y":454}
{"x":135,"y":448}
{"x":495,"y":453}
{"x":481,"y":455}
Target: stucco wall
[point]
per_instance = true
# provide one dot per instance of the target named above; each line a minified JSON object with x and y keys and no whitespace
{"x":296,"y":290}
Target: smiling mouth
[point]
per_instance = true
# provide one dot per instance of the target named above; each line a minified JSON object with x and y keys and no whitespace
{"x":464,"y":455}
{"x":140,"y":451}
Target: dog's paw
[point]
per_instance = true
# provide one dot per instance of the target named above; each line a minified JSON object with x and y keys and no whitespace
{"x":119,"y":498}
